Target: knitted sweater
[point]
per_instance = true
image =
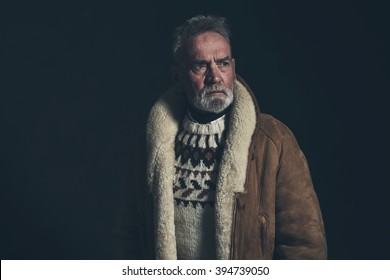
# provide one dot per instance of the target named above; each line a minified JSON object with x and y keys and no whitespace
{"x":197,"y":153}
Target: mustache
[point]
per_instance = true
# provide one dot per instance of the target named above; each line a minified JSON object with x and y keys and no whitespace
{"x":213,"y":88}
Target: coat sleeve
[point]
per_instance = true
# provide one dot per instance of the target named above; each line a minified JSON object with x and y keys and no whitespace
{"x":299,"y":228}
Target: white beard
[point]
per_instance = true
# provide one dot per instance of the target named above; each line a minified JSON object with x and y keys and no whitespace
{"x":213,"y":104}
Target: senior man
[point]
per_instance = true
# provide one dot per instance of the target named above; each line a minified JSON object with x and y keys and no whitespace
{"x":217,"y":178}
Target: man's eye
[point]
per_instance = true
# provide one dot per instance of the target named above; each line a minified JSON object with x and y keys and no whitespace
{"x":198,"y":67}
{"x":223,"y":63}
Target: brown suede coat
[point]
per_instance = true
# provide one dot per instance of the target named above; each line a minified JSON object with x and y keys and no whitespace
{"x":266,"y":206}
{"x":278,"y":215}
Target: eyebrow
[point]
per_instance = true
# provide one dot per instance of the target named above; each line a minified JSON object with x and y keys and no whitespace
{"x":206,"y":61}
{"x":224,"y":59}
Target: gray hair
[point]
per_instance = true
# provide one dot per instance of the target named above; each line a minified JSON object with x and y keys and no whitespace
{"x":195,"y":26}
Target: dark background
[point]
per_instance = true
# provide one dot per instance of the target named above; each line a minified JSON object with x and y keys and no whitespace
{"x":77,"y":79}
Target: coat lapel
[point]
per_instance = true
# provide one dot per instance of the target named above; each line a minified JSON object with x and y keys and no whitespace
{"x":163,"y":124}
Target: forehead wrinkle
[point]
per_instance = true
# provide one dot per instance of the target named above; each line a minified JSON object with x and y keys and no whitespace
{"x":207,"y":45}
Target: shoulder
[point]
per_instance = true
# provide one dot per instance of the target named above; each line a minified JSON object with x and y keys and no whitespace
{"x":267,"y":126}
{"x":274,"y":130}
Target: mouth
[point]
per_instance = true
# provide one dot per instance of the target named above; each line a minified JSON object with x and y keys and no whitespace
{"x":217,"y":92}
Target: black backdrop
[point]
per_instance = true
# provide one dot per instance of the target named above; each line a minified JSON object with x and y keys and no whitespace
{"x":76,"y":79}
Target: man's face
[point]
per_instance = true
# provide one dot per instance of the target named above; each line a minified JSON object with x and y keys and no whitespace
{"x":207,"y":73}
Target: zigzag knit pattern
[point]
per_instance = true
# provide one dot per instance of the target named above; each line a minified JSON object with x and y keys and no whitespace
{"x":198,"y":151}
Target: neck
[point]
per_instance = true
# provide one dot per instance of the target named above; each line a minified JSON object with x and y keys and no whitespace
{"x":204,"y":118}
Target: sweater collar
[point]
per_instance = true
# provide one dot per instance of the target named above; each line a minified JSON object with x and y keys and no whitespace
{"x":214,"y":127}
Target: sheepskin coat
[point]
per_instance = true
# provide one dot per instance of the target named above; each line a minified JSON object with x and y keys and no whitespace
{"x":265,"y":207}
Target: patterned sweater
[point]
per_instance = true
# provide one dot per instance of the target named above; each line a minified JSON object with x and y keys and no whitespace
{"x":198,"y":151}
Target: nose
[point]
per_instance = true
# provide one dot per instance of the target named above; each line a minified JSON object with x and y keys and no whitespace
{"x":213,"y":75}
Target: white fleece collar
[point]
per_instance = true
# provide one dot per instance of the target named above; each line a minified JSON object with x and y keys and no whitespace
{"x":162,"y":127}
